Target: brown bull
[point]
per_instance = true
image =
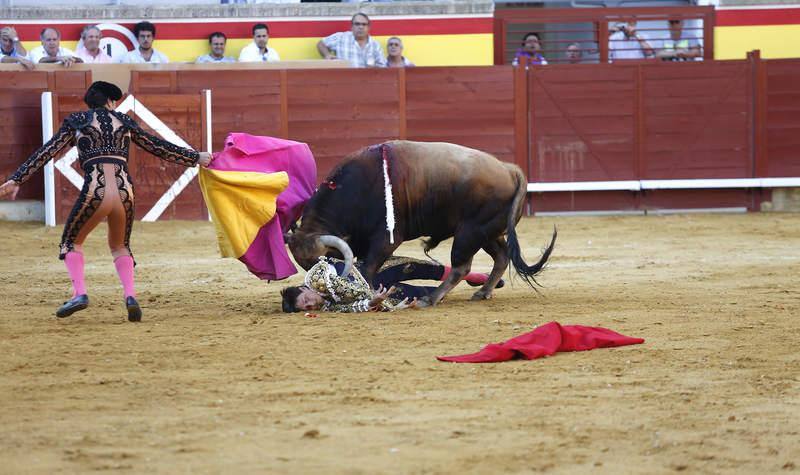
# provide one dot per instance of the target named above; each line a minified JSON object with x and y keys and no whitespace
{"x":439,"y":190}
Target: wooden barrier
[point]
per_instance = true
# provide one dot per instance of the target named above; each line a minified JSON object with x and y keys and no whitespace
{"x":151,"y":177}
{"x":20,"y":110}
{"x":337,"y":111}
{"x":641,"y":122}
{"x":611,"y":123}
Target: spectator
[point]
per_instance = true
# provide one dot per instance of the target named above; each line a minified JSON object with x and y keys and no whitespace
{"x":90,"y":51}
{"x":258,"y":50}
{"x":145,"y":33}
{"x":217,"y":41}
{"x":395,"y":58}
{"x":355,"y":46}
{"x":51,"y":50}
{"x":11,"y":50}
{"x":680,"y":46}
{"x":574,"y":53}
{"x":627,"y":43}
{"x":531,"y":49}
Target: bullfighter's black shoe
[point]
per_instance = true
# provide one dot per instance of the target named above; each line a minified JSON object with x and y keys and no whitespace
{"x":134,"y":310}
{"x":75,"y":304}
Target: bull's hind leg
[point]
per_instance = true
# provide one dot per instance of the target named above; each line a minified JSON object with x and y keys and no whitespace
{"x":466,"y":244}
{"x":497,"y":249}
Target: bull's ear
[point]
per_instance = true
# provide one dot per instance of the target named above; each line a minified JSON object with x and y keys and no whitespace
{"x":286,"y":236}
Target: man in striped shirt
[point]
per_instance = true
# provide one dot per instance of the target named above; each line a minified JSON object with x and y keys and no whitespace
{"x":355,"y":46}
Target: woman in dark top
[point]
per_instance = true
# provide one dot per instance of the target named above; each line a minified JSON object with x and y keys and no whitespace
{"x":103,"y":138}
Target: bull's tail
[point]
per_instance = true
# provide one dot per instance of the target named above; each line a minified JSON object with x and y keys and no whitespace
{"x":527,"y":272}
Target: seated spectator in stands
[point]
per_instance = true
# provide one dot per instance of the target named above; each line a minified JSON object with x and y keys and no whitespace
{"x":574,"y":53}
{"x":395,"y":58}
{"x":217,"y":41}
{"x":531,"y":49}
{"x":145,"y":33}
{"x":627,"y":43}
{"x":11,"y":50}
{"x":680,"y":46}
{"x":258,"y":50}
{"x":51,"y":50}
{"x":355,"y":46}
{"x":90,"y":51}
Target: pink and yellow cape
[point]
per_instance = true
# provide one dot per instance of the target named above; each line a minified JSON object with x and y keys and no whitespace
{"x":254,"y":190}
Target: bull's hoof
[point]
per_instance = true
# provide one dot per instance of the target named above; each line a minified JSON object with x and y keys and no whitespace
{"x":481,"y":295}
{"x":424,"y":302}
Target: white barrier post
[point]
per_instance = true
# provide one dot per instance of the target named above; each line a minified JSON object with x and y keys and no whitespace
{"x":49,"y":168}
{"x":208,"y":143}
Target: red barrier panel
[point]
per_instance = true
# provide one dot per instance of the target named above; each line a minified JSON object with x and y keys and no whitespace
{"x":561,"y":123}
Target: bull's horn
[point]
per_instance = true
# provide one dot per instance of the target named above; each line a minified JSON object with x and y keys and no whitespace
{"x":341,"y":246}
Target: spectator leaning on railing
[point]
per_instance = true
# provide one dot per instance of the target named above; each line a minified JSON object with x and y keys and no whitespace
{"x":11,"y":50}
{"x":217,"y":41}
{"x":355,"y":46}
{"x":258,"y":49}
{"x":51,"y":50}
{"x":574,"y":53}
{"x":145,"y":33}
{"x":531,"y":49}
{"x":90,"y":51}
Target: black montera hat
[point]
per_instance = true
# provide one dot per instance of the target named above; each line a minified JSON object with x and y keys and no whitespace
{"x":111,"y":91}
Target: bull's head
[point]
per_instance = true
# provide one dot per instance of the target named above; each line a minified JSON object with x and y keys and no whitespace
{"x":307,"y":249}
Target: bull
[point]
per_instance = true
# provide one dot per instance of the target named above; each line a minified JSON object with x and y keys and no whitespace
{"x":437,"y":191}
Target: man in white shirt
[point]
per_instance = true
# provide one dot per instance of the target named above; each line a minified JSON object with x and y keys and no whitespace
{"x":145,"y":34}
{"x":217,"y":41}
{"x":51,"y":50}
{"x":627,"y":43}
{"x":258,"y":50}
{"x":90,"y":51}
{"x":11,"y":50}
{"x":355,"y":46}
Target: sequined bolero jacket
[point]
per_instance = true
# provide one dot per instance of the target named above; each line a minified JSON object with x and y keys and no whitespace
{"x":97,"y":134}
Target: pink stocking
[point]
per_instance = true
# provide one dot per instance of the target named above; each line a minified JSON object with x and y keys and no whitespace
{"x":474,"y":278}
{"x":124,"y":265}
{"x":74,"y":262}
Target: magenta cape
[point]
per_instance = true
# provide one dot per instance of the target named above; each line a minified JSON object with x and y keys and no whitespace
{"x":267,"y":257}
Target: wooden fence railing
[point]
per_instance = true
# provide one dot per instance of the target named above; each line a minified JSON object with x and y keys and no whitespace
{"x":609,"y":123}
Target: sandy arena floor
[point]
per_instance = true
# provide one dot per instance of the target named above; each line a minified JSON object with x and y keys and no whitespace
{"x":217,"y":380}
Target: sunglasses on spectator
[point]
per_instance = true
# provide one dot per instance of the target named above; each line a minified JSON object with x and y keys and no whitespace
{"x":394,"y":44}
{"x":355,"y":23}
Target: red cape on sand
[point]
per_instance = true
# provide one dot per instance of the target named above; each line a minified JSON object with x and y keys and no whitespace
{"x":546,"y":340}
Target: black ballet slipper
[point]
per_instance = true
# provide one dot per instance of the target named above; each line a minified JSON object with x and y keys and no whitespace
{"x":134,"y":310}
{"x":75,"y":304}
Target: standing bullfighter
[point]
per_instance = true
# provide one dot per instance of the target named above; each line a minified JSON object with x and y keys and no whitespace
{"x":103,"y":137}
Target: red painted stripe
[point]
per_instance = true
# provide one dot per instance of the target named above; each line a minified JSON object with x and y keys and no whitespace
{"x":286,"y":29}
{"x":777,"y":16}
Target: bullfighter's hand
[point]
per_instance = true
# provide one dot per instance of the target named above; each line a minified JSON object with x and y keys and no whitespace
{"x":10,"y":189}
{"x":205,"y":159}
{"x":380,"y":296}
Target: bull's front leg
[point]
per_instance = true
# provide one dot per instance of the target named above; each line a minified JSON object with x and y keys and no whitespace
{"x":380,"y":250}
